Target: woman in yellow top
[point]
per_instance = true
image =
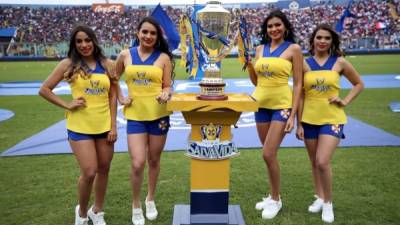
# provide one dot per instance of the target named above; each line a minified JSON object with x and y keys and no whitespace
{"x":148,"y":70}
{"x":91,"y":117}
{"x":321,"y":111}
{"x":277,"y":58}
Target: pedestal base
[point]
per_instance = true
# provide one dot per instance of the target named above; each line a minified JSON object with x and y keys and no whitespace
{"x":182,"y":217}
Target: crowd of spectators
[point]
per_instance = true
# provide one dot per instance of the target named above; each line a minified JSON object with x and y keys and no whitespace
{"x":371,"y":23}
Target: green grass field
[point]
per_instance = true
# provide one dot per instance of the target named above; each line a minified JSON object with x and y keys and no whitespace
{"x":42,"y":189}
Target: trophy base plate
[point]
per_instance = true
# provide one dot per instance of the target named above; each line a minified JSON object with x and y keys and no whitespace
{"x":212,"y":98}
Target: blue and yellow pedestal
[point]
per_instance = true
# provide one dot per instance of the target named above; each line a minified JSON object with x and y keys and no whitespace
{"x":210,"y":148}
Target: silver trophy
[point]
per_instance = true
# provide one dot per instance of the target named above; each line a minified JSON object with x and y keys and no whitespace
{"x":213,"y":21}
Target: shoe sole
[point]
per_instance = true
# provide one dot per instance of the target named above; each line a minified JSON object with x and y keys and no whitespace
{"x":314,"y":211}
{"x":151,"y":217}
{"x":269,"y":218}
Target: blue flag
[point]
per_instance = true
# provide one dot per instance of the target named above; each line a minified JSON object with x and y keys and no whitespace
{"x":346,"y":13}
{"x":200,"y":71}
{"x":169,"y":28}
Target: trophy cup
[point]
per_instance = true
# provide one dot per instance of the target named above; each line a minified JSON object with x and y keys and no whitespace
{"x":214,"y":22}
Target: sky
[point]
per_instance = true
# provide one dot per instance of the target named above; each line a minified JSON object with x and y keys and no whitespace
{"x":126,"y":2}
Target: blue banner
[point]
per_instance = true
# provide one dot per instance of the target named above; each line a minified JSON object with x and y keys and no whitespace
{"x":169,"y":28}
{"x":346,"y":13}
{"x":200,"y":71}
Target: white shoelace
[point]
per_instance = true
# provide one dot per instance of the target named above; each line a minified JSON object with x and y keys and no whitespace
{"x":138,"y":215}
{"x":150,"y":206}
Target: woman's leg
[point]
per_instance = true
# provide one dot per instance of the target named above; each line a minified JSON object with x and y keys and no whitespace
{"x":326,"y":146}
{"x":272,"y":142}
{"x":262,"y":130}
{"x":137,"y":144}
{"x":85,"y":153}
{"x":311,"y":145}
{"x":105,"y":151}
{"x":156,"y":146}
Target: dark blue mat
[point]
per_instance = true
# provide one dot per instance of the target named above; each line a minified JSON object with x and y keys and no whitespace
{"x":53,"y":140}
{"x":232,"y":85}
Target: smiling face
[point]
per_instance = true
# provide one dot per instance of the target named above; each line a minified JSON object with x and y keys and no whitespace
{"x":276,"y":29}
{"x":84,"y":44}
{"x":147,"y":35}
{"x":322,"y":41}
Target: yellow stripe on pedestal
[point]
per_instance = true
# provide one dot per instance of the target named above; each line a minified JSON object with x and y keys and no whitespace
{"x":209,"y":174}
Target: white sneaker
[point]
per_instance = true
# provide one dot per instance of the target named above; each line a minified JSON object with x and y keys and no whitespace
{"x":261,"y":205}
{"x":271,"y":209}
{"x":97,"y":218}
{"x":327,"y":212}
{"x":316,"y":206}
{"x":137,"y":216}
{"x":79,"y":220}
{"x":151,"y":210}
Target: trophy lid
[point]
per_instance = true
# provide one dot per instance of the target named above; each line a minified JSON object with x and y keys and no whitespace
{"x":213,"y":6}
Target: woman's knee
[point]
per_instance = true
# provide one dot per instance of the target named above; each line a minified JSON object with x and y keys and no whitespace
{"x":88,"y":174}
{"x":137,"y":165}
{"x":104,"y":168}
{"x":269,"y":156}
{"x":322,"y":165}
{"x":153,"y":162}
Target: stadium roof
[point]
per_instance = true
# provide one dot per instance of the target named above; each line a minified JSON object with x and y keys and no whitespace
{"x":126,"y":2}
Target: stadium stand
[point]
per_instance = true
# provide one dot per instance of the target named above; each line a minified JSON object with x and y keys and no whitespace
{"x":43,"y":31}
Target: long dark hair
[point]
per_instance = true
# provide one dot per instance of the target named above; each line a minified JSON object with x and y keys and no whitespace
{"x":161,"y":44}
{"x":78,"y":65}
{"x":289,"y":34}
{"x":335,"y":46}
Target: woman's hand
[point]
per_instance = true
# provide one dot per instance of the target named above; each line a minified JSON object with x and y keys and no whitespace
{"x":300,"y":132}
{"x":289,"y":125}
{"x":336,"y":100}
{"x":163,"y":97}
{"x":126,"y":101}
{"x":76,"y":103}
{"x":112,"y":135}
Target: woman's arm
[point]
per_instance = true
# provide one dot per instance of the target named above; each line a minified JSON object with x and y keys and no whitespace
{"x":358,"y":85}
{"x":119,"y":70}
{"x":300,"y":130}
{"x":165,"y":94}
{"x":250,"y":68}
{"x":297,"y":60}
{"x":112,"y":135}
{"x":46,"y":90}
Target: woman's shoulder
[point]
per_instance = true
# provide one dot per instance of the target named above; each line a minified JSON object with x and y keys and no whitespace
{"x":259,"y":51}
{"x":164,"y":56}
{"x":260,"y":47}
{"x":65,"y":63}
{"x":342,"y":61}
{"x":108,"y":62}
{"x":123,"y":55}
{"x":125,"y":51}
{"x":295,"y":47}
